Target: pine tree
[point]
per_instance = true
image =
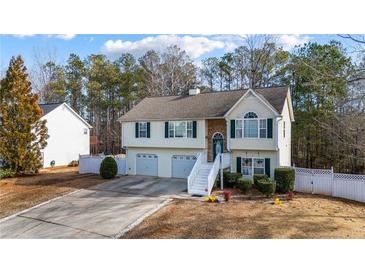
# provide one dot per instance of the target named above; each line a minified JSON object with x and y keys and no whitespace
{"x":22,"y":133}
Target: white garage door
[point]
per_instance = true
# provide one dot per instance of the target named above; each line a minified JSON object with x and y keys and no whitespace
{"x":182,"y":165}
{"x":146,"y":164}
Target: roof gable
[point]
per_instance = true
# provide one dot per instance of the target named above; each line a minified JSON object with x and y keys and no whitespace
{"x":260,"y":98}
{"x":47,"y":108}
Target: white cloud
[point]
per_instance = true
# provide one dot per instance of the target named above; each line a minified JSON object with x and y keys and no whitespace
{"x":65,"y":36}
{"x":195,"y":46}
{"x":23,"y":35}
{"x":62,"y":36}
{"x":289,"y":41}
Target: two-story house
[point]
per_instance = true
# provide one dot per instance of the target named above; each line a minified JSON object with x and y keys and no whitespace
{"x":181,"y":136}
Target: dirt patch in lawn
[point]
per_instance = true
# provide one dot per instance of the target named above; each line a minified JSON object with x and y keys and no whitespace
{"x":23,"y":192}
{"x":307,"y":216}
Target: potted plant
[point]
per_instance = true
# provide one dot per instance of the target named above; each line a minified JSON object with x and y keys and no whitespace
{"x":227,"y":195}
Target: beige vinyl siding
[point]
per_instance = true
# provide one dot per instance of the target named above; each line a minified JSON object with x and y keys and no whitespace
{"x":273,"y":155}
{"x":285,"y":143}
{"x":164,"y":158}
{"x":157,"y":138}
{"x":248,"y":104}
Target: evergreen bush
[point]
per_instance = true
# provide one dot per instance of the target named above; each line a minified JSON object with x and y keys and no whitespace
{"x":108,"y":168}
{"x":285,"y":178}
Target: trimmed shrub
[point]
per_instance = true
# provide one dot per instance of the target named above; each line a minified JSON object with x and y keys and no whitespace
{"x":284,"y":177}
{"x":225,"y":176}
{"x":258,"y":177}
{"x":266,"y":186}
{"x":73,"y":163}
{"x":108,"y":168}
{"x":244,"y":184}
{"x":6,"y":173}
{"x":232,"y":179}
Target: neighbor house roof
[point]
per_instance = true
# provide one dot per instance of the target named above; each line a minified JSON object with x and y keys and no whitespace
{"x":47,"y":108}
{"x":204,"y":105}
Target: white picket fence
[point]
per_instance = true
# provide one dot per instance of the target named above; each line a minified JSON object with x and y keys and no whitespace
{"x":91,"y":164}
{"x":326,"y":182}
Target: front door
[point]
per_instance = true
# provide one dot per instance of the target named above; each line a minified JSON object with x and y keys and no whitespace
{"x":217,"y":144}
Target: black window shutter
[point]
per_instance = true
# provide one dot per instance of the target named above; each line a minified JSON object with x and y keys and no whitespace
{"x":269,"y":128}
{"x":137,"y":130}
{"x":166,"y":129}
{"x":148,"y":129}
{"x":238,"y":164}
{"x":267,"y":167}
{"x":233,"y":128}
{"x":194,"y":129}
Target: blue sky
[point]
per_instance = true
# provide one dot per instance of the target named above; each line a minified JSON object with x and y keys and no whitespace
{"x":59,"y":47}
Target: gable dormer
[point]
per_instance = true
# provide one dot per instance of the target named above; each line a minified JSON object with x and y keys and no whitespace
{"x":252,"y":123}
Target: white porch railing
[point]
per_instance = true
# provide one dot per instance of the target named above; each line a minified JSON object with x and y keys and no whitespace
{"x":214,"y":172}
{"x":201,"y":158}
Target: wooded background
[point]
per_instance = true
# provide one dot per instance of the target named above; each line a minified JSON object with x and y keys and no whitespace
{"x":327,"y":83}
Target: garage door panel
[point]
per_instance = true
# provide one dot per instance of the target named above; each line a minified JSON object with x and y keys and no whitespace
{"x":147,"y":164}
{"x":182,"y":165}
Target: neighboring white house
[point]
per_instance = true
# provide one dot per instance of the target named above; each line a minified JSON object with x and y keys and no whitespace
{"x":180,"y":136}
{"x":69,"y":134}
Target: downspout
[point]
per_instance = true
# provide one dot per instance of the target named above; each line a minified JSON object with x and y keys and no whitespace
{"x":227,"y":137}
{"x":277,"y":138}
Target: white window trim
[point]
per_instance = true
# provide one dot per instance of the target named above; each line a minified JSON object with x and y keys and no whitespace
{"x":263,"y":128}
{"x":186,"y":129}
{"x":258,"y":127}
{"x":252,"y":165}
{"x":139,"y":130}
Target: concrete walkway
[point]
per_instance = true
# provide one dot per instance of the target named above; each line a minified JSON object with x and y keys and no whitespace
{"x":104,"y":211}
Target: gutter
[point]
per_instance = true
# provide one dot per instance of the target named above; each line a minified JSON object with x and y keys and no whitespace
{"x":170,"y":119}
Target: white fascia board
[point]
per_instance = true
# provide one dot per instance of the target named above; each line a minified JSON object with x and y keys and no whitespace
{"x":77,"y":115}
{"x":263,"y":100}
{"x":291,"y":110}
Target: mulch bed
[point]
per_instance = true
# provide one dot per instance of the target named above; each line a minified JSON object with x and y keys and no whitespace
{"x":253,"y":194}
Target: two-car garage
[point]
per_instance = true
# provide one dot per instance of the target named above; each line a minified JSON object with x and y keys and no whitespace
{"x":180,"y":166}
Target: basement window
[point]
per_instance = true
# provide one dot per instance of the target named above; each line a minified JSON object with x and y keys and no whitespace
{"x":252,"y":166}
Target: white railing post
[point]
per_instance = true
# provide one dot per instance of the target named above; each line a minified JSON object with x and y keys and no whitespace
{"x":332,"y":181}
{"x":221,"y":170}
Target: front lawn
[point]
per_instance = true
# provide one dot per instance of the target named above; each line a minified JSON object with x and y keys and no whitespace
{"x":307,"y":216}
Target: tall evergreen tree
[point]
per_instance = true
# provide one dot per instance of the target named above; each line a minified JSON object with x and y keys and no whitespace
{"x":53,"y":90}
{"x":22,"y":133}
{"x":319,"y":76}
{"x":75,"y":74}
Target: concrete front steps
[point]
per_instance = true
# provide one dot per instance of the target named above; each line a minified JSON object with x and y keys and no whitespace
{"x":200,"y":183}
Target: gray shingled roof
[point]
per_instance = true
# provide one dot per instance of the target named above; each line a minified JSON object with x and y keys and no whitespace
{"x":49,"y":107}
{"x":204,"y":105}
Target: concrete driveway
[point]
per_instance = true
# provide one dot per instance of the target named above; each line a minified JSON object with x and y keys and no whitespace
{"x":104,"y":211}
